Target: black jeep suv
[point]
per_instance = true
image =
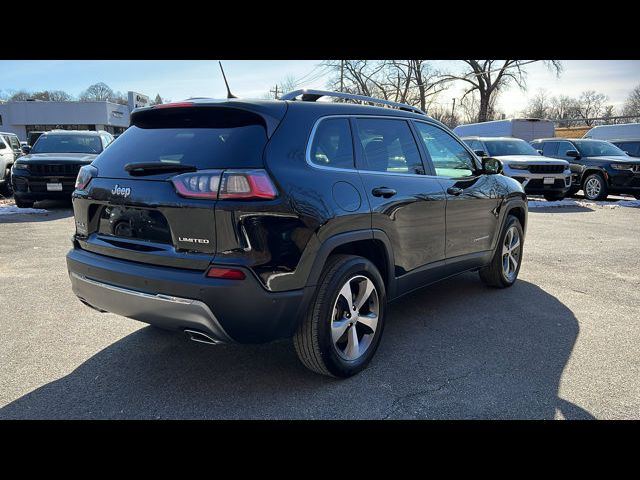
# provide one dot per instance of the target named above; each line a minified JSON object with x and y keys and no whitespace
{"x":50,"y":168}
{"x":597,"y":167}
{"x":248,"y":221}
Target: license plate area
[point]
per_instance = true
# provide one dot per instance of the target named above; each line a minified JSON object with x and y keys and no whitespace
{"x":54,"y":187}
{"x":549,"y":180}
{"x":134,"y":223}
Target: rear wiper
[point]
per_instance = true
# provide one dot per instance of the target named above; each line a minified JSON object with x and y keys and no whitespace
{"x":152,"y":168}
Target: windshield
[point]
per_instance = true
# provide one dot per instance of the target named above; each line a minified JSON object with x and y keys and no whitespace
{"x":595,"y":148}
{"x":499,"y":148}
{"x":68,"y":144}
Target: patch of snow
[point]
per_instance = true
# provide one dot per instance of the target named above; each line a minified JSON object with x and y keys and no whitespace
{"x":583,"y":203}
{"x":12,"y":209}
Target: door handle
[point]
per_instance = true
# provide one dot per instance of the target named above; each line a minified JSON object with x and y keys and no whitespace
{"x":454,"y":191}
{"x":383,"y":192}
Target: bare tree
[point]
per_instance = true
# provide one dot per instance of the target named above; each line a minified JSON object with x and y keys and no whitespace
{"x":590,"y":104}
{"x":97,"y":92}
{"x":608,"y":112}
{"x":632,"y":105}
{"x":566,"y":108}
{"x":539,"y":106}
{"x":414,"y":82}
{"x":489,"y":77}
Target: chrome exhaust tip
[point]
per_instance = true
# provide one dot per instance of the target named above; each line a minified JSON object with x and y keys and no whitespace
{"x":201,"y":337}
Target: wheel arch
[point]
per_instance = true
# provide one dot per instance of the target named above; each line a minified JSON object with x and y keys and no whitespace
{"x":373,"y":245}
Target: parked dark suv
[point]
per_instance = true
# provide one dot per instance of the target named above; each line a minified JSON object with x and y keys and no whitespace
{"x":248,"y":221}
{"x":50,"y":168}
{"x":597,"y":167}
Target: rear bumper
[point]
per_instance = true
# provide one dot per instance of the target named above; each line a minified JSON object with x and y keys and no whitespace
{"x":179,"y":299}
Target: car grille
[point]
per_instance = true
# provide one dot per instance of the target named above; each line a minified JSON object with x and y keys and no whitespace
{"x":68,"y":169}
{"x":546,"y":168}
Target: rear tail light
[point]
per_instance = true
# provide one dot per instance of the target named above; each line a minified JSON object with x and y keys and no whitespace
{"x":85,"y":174}
{"x":226,"y":185}
{"x":245,"y":184}
{"x":174,"y":105}
{"x":226,"y":273}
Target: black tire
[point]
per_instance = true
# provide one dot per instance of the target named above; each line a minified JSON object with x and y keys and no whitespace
{"x":552,"y":197}
{"x":6,"y":190}
{"x":493,"y":274}
{"x":24,"y":203}
{"x":602,"y":193}
{"x":313,"y":340}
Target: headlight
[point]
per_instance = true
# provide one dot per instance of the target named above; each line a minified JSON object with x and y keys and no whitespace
{"x":519,"y":166}
{"x":622,"y":166}
{"x":21,"y":166}
{"x":85,"y":175}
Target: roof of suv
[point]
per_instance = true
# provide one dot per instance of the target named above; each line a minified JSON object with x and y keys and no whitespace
{"x":485,"y":139}
{"x":560,"y":139}
{"x":76,"y":132}
{"x":274,"y":107}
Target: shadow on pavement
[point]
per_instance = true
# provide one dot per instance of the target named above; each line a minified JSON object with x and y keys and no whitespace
{"x":453,"y":350}
{"x":56,"y":209}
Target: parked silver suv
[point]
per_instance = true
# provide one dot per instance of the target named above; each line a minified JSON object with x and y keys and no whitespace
{"x":538,"y":175}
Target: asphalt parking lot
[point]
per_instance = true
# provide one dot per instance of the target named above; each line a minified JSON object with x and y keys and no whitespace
{"x":564,"y":342}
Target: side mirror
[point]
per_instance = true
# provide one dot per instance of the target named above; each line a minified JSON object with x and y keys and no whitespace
{"x":540,"y":152}
{"x":491,"y":166}
{"x":480,"y":153}
{"x":26,"y":149}
{"x":572,"y":153}
{"x":2,"y":146}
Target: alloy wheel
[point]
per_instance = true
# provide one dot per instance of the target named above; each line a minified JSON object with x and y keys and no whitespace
{"x":592,"y":188}
{"x":511,"y":253}
{"x":355,"y":317}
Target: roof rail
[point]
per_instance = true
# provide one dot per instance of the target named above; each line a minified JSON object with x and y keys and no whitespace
{"x":313,"y":95}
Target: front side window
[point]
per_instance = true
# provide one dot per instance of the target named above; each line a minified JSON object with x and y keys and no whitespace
{"x":449,"y":157}
{"x":15,"y":143}
{"x":388,"y":146}
{"x":564,"y":147}
{"x":332,"y":144}
{"x":61,"y":143}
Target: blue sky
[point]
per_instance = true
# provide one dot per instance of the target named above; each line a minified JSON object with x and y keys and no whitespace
{"x":180,"y":79}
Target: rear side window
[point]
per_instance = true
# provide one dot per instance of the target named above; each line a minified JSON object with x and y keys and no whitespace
{"x":549,"y":148}
{"x":203,"y":148}
{"x":332,"y":144}
{"x":388,"y":146}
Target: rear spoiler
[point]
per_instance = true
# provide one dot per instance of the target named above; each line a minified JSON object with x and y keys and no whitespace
{"x":212,"y":114}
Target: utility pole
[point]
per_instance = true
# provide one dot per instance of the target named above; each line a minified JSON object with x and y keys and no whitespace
{"x":275,"y":92}
{"x":341,"y":75}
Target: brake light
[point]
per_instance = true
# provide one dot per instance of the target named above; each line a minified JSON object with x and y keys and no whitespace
{"x":172,"y":105}
{"x":85,"y":174}
{"x":227,"y":185}
{"x":226,"y":273}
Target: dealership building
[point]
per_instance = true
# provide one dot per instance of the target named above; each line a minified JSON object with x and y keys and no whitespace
{"x":23,"y":117}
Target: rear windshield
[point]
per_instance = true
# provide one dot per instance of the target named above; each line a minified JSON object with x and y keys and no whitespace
{"x":499,"y":148}
{"x":68,"y":144}
{"x":203,"y":148}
